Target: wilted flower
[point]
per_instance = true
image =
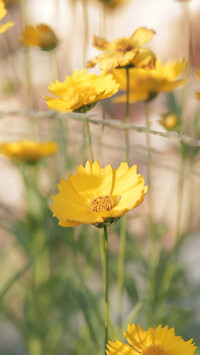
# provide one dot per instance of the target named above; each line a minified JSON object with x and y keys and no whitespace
{"x":125,"y":51}
{"x":145,"y":84}
{"x":40,"y":36}
{"x":98,"y":195}
{"x":28,"y":150}
{"x":159,"y":341}
{"x":169,"y":121}
{"x":81,"y":91}
{"x":3,"y":12}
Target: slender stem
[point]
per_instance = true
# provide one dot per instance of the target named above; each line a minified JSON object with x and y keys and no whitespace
{"x":127,"y":112}
{"x":86,"y":30}
{"x":106,"y":285}
{"x":122,"y":250}
{"x":149,"y":173}
{"x":90,"y":139}
{"x":180,"y":198}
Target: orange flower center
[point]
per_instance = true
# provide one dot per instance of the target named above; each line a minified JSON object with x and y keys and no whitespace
{"x":153,"y":350}
{"x":102,"y":203}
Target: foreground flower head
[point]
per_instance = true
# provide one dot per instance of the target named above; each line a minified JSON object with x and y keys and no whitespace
{"x":27,"y":150}
{"x":125,"y":51}
{"x":145,"y":84}
{"x":3,"y":12}
{"x":159,"y":341}
{"x":40,"y":36}
{"x":98,"y":195}
{"x":81,"y":91}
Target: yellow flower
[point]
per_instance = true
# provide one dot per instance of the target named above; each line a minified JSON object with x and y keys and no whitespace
{"x":169,"y":121}
{"x":81,"y":91}
{"x":3,"y":12}
{"x":124,"y":52}
{"x":145,"y":84}
{"x":98,"y":195}
{"x":27,"y":150}
{"x":159,"y":341}
{"x":40,"y":36}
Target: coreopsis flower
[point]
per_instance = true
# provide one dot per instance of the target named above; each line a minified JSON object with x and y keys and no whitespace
{"x":98,"y":196}
{"x":81,"y":91}
{"x":159,"y":341}
{"x":146,"y":84}
{"x":3,"y":12}
{"x":169,"y":121}
{"x":27,"y":150}
{"x":41,"y":36}
{"x":123,"y":52}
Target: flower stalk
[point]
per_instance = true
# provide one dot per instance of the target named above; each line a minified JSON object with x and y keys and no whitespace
{"x":106,"y":285}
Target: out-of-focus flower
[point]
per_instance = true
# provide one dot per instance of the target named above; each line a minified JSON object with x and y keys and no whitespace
{"x":81,"y":91}
{"x":41,"y":36}
{"x":169,"y":121}
{"x":98,"y":195}
{"x":146,"y":84}
{"x":28,"y":150}
{"x":159,"y":341}
{"x":198,"y":93}
{"x":113,"y":4}
{"x":3,"y":12}
{"x":125,"y":51}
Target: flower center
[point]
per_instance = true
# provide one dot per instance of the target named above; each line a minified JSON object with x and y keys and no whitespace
{"x":153,"y":350}
{"x":105,"y":203}
{"x":124,"y":45}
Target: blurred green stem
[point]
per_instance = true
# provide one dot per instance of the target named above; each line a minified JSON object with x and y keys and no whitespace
{"x":149,"y":175}
{"x":90,"y":139}
{"x":122,"y":249}
{"x":180,"y":193}
{"x":106,"y":286}
{"x":127,"y":112}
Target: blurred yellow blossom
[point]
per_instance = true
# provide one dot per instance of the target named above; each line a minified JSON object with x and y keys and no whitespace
{"x":169,"y":121}
{"x":98,"y":195}
{"x":81,"y":91}
{"x":159,"y":341}
{"x":28,"y":150}
{"x":3,"y":12}
{"x":125,"y":51}
{"x":40,"y":36}
{"x":145,"y":84}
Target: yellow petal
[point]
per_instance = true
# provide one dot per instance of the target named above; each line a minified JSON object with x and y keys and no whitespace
{"x":120,"y":348}
{"x":68,"y":210}
{"x":5,"y":26}
{"x":142,"y":35}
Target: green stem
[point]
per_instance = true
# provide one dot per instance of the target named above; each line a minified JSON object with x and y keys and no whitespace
{"x":127,"y":111}
{"x":121,"y":267}
{"x":90,"y":139}
{"x":106,"y":285}
{"x":180,"y":198}
{"x":149,"y":174}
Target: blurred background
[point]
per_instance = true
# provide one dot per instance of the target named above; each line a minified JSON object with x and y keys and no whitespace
{"x":51,"y":285}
